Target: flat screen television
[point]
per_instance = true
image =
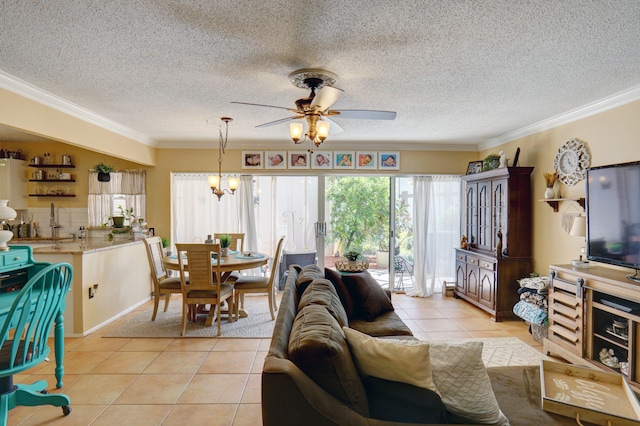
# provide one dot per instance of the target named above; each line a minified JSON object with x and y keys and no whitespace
{"x":613,"y":214}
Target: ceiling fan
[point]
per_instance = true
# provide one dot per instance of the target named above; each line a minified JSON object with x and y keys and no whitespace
{"x":315,"y":108}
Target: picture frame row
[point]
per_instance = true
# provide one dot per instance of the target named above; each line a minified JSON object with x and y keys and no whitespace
{"x":321,"y":160}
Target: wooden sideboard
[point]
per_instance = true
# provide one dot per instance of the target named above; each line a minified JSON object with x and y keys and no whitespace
{"x":583,"y":305}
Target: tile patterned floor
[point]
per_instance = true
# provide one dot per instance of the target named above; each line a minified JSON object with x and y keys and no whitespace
{"x":114,"y":381}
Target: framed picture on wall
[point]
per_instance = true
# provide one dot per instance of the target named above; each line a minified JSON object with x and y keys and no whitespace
{"x":366,"y":160}
{"x":389,"y":161}
{"x":298,"y":159}
{"x":252,"y":160}
{"x":275,"y":160}
{"x":474,"y":167}
{"x":344,"y":159}
{"x":321,"y":160}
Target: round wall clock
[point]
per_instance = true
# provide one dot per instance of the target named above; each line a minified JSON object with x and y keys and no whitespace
{"x":572,"y":161}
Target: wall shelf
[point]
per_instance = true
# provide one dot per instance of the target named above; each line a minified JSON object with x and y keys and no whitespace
{"x":52,"y":180}
{"x":53,"y":166}
{"x":555,"y":202}
{"x":52,"y":195}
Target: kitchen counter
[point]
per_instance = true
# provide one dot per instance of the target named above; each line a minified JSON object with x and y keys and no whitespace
{"x":70,"y":246}
{"x":110,"y":278}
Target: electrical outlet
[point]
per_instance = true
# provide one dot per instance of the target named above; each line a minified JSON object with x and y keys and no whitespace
{"x":92,"y":292}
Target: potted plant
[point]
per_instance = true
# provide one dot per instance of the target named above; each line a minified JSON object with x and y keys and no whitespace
{"x":353,"y":262}
{"x":491,"y":161}
{"x":104,"y":171}
{"x":225,"y":242}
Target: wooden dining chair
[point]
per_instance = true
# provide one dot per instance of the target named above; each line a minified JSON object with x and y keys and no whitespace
{"x":203,"y":286}
{"x":237,"y":244}
{"x":259,"y":284}
{"x":163,"y":284}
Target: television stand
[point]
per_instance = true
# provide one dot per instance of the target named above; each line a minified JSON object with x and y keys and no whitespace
{"x":591,"y":311}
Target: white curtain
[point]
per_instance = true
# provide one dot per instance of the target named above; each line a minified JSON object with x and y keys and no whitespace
{"x":197,"y":213}
{"x":130,"y":184}
{"x":436,"y":232}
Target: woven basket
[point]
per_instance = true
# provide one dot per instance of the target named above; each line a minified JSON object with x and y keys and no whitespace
{"x":539,"y":332}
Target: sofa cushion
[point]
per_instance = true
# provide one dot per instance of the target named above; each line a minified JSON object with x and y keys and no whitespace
{"x":307,"y":274}
{"x":462,"y":381}
{"x":405,"y":403}
{"x":387,"y":324}
{"x":322,"y":292}
{"x":405,"y":361}
{"x":369,"y":298}
{"x":343,"y":293}
{"x":318,"y":347}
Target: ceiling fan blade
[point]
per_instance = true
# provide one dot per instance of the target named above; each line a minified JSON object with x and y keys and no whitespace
{"x":325,"y":97}
{"x":262,"y":105}
{"x":365,"y":114}
{"x":282,"y":120}
{"x":334,"y":127}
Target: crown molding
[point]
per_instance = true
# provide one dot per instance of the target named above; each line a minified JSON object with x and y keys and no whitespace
{"x":34,"y":93}
{"x":618,"y":99}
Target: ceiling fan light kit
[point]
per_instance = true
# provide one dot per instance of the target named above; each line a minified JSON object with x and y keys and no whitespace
{"x":315,"y":108}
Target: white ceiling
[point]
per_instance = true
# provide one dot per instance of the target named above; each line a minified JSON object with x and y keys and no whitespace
{"x":461,"y":74}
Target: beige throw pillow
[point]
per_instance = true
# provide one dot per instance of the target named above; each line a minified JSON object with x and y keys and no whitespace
{"x":405,"y":361}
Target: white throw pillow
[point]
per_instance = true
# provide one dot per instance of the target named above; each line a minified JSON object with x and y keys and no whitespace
{"x":464,"y":385}
{"x":406,"y":361}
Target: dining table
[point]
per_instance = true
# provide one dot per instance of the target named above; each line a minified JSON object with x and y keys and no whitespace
{"x":235,"y":261}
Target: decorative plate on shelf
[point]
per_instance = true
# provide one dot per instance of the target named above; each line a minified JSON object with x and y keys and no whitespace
{"x":572,"y":161}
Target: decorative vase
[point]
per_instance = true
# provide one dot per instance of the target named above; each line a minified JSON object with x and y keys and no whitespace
{"x":549,"y":193}
{"x":118,"y":221}
{"x":6,"y":213}
{"x":224,"y":251}
{"x":104,"y":177}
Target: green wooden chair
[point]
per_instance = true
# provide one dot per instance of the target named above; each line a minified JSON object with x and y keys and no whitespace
{"x":24,"y":336}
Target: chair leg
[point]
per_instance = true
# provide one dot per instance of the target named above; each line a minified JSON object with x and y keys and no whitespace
{"x":219,"y":317}
{"x":185,"y":308}
{"x":231,"y":308}
{"x":271,"y":302}
{"x":273,"y":295}
{"x":167,"y":297}
{"x":156,"y":302}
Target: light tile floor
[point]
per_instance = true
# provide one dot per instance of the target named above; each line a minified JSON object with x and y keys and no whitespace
{"x":124,"y":381}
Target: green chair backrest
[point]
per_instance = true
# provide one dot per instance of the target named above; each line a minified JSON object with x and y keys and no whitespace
{"x":26,"y":327}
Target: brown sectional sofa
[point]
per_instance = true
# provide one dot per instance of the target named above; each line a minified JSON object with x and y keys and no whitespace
{"x":309,"y":377}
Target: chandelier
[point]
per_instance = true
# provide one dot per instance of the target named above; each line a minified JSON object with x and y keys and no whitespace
{"x":216,"y":181}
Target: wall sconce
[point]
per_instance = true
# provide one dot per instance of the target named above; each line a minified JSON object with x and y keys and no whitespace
{"x":215,"y":182}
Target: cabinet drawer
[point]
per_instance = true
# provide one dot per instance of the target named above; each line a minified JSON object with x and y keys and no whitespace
{"x":15,"y":258}
{"x":472,"y":260}
{"x":488,"y":265}
{"x":461,"y":257}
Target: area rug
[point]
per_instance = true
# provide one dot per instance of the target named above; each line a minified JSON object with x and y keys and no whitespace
{"x":503,"y":351}
{"x":167,"y":324}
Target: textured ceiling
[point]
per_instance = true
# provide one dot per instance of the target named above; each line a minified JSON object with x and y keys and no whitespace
{"x":457,"y":72}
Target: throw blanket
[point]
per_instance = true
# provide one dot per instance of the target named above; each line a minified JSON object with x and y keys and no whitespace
{"x":530,"y":313}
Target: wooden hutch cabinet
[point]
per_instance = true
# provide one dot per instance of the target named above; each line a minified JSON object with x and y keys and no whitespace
{"x":496,"y":219}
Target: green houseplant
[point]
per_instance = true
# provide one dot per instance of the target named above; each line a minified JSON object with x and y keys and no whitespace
{"x":104,"y":171}
{"x":225,"y":242}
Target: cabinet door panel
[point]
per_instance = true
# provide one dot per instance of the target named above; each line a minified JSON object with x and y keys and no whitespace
{"x":486,"y":293}
{"x":461,"y":276}
{"x":484,"y":215}
{"x":473,"y":281}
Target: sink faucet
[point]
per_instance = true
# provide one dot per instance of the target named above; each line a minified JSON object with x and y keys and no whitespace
{"x":52,"y":221}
